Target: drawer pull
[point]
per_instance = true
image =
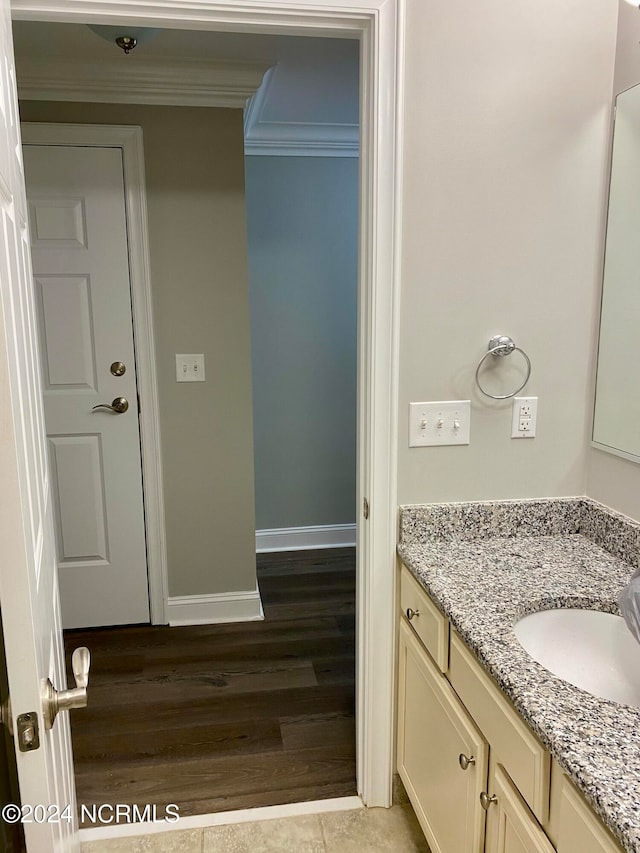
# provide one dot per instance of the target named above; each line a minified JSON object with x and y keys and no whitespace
{"x":464,"y":761}
{"x":486,"y":800}
{"x":411,"y":613}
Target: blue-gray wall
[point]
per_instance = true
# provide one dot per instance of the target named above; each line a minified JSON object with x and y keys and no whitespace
{"x":302,"y":220}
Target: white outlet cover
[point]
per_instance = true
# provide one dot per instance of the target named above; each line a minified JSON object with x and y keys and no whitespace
{"x":524,"y":427}
{"x":433,"y":424}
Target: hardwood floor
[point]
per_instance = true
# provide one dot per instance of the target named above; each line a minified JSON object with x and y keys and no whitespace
{"x":220,"y":717}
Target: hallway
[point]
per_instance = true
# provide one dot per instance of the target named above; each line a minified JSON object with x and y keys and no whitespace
{"x":222,"y":717}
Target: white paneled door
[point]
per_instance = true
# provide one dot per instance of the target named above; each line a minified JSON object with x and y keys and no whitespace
{"x":77,"y":220}
{"x":28,"y":588}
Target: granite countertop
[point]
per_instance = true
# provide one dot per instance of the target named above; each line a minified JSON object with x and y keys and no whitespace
{"x":488,"y":564}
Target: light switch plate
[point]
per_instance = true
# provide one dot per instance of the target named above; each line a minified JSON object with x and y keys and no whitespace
{"x":189,"y":367}
{"x":439,"y":423}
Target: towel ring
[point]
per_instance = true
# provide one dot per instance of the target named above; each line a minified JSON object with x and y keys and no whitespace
{"x":499,"y":346}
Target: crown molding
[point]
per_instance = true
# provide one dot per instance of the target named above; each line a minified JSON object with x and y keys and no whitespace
{"x":294,"y":139}
{"x":189,"y":83}
{"x":291,"y":139}
{"x":181,"y":82}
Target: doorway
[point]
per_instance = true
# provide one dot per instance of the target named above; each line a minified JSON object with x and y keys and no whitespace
{"x":318,"y":662}
{"x":376,"y":23}
{"x":217,"y":718}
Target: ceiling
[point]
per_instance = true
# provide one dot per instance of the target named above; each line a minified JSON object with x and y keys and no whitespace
{"x":308,"y":101}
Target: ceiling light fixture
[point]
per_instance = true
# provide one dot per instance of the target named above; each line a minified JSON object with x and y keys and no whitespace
{"x":127,"y":43}
{"x":124,"y":36}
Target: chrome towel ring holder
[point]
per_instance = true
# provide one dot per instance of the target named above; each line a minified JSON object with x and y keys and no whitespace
{"x":500,"y":346}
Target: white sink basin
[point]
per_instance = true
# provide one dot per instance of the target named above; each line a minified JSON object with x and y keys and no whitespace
{"x":591,"y":650}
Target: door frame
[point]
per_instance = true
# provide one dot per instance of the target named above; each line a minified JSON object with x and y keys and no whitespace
{"x":379,"y":25}
{"x":129,"y":140}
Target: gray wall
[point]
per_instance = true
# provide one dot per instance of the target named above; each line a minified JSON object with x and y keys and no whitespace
{"x":197,"y":229}
{"x":302,"y":218}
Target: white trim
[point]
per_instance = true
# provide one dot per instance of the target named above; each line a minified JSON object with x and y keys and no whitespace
{"x":202,"y":821}
{"x":176,"y":82}
{"x":379,"y":26}
{"x":623,"y":454}
{"x":241,"y":606}
{"x":298,"y":139}
{"x":294,"y":139}
{"x":129,"y":139}
{"x":381,"y":82}
{"x":305,"y":538}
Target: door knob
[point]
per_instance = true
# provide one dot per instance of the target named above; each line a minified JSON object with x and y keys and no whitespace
{"x":486,"y":800}
{"x":63,"y":700}
{"x":465,"y":760}
{"x":118,"y":406}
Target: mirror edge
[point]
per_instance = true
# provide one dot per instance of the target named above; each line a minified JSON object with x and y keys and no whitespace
{"x":607,"y":448}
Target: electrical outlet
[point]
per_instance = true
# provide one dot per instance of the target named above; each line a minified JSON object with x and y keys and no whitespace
{"x":525,"y":415}
{"x":525,"y":409}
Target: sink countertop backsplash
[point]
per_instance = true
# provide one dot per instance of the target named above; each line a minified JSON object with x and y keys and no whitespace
{"x":486,"y":564}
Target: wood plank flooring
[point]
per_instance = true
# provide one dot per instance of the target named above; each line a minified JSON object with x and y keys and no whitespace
{"x":220,"y":717}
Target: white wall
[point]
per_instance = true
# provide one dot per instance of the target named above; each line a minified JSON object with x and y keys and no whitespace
{"x":506,"y":134}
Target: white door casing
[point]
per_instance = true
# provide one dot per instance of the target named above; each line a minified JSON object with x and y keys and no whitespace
{"x":379,"y":25}
{"x":28,"y":584}
{"x":79,"y":250}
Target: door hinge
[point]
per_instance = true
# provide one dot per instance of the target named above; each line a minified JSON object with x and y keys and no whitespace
{"x":365,"y":508}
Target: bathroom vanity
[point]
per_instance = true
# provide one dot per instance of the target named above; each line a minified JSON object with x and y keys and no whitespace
{"x":496,"y":753}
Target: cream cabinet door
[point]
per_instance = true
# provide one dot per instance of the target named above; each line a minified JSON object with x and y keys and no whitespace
{"x":511,"y":827}
{"x":434,"y":731}
{"x":580,"y":829}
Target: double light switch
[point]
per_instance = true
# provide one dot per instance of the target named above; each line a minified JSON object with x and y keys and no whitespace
{"x":190,"y":367}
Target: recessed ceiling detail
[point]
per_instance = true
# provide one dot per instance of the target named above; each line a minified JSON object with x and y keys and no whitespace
{"x":266,"y":137}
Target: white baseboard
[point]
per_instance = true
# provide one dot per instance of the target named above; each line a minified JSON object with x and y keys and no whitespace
{"x":242,"y":606}
{"x":305,"y":538}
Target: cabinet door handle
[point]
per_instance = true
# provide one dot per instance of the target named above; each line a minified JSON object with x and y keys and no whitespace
{"x":411,"y":613}
{"x":486,"y":800}
{"x":464,"y":761}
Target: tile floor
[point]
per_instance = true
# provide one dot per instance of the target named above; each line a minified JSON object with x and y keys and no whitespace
{"x":395,"y":830}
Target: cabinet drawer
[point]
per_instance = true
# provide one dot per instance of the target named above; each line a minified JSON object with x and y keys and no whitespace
{"x":428,"y":622}
{"x":524,"y":758}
